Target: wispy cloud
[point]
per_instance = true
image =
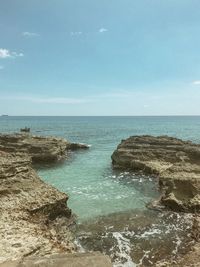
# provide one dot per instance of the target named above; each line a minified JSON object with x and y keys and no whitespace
{"x":196,"y":82}
{"x":76,"y":33}
{"x":116,"y":95}
{"x":102,"y":30}
{"x":59,"y":100}
{"x":30,"y":34}
{"x":1,"y":67}
{"x":5,"y":53}
{"x":15,"y":54}
{"x":49,"y":100}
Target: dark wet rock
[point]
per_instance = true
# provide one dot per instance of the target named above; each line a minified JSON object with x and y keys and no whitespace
{"x":39,"y":148}
{"x":77,"y":146}
{"x":190,"y":259}
{"x":175,"y":162}
{"x":140,"y":237}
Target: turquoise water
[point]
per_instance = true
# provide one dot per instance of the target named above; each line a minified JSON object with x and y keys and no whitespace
{"x":87,"y":176}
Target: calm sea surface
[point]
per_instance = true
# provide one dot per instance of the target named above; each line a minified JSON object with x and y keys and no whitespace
{"x":110,"y":205}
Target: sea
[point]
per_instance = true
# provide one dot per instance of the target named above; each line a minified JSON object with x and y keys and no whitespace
{"x":110,"y":205}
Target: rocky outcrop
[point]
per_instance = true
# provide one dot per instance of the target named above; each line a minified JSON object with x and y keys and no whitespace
{"x":34,"y":217}
{"x":175,"y":162}
{"x":39,"y":148}
{"x":35,"y":222}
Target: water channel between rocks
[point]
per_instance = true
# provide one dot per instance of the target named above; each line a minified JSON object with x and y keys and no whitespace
{"x":112,"y":216}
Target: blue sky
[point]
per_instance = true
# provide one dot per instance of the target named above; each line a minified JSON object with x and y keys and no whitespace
{"x":102,"y":57}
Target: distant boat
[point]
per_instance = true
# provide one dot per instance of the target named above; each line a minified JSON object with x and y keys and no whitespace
{"x":26,"y":130}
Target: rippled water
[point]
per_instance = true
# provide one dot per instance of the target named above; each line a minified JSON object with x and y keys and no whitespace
{"x":87,"y":176}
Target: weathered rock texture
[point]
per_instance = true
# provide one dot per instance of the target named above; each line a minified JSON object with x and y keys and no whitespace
{"x":175,"y":162}
{"x":34,"y":217}
{"x":63,"y":260}
{"x":39,"y":148}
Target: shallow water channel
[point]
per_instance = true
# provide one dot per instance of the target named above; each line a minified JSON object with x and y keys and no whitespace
{"x":112,"y":216}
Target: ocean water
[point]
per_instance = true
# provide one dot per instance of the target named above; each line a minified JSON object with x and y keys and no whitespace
{"x":95,"y":190}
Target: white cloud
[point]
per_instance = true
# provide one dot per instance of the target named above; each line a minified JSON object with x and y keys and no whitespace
{"x":30,"y":34}
{"x":196,"y":82}
{"x":75,"y":33}
{"x":5,"y":53}
{"x":1,"y":67}
{"x":102,"y":30}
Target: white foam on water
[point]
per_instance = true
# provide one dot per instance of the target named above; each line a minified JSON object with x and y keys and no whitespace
{"x":85,"y":144}
{"x":146,"y":255}
{"x":124,"y":251}
{"x":151,"y":232}
{"x":79,"y":246}
{"x":178,"y":243}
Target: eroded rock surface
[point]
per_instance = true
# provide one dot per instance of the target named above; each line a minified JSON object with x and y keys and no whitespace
{"x":34,"y":217}
{"x":174,"y":161}
{"x":39,"y":148}
{"x":63,"y":260}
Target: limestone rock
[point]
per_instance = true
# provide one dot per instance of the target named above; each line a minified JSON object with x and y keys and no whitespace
{"x":175,"y":162}
{"x":34,"y":217}
{"x":62,"y":260}
{"x":39,"y":148}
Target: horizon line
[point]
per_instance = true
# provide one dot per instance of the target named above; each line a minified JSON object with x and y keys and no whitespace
{"x":7,"y":115}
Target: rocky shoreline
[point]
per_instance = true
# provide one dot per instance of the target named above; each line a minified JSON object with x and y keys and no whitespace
{"x":35,"y":220}
{"x":176,"y":165}
{"x":34,"y":217}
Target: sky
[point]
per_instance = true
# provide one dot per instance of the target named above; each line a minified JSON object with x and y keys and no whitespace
{"x":100,"y":57}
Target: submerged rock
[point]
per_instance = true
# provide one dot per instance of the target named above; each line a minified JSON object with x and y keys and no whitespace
{"x":39,"y":148}
{"x":189,"y":259}
{"x":175,"y":162}
{"x":137,"y":238}
{"x":76,"y":146}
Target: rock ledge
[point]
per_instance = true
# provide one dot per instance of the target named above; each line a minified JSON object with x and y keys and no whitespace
{"x":34,"y":217}
{"x":175,"y":162}
{"x":39,"y":148}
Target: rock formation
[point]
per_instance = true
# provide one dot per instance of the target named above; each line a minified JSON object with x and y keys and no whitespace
{"x":39,"y":148}
{"x":34,"y":217}
{"x":175,"y":162}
